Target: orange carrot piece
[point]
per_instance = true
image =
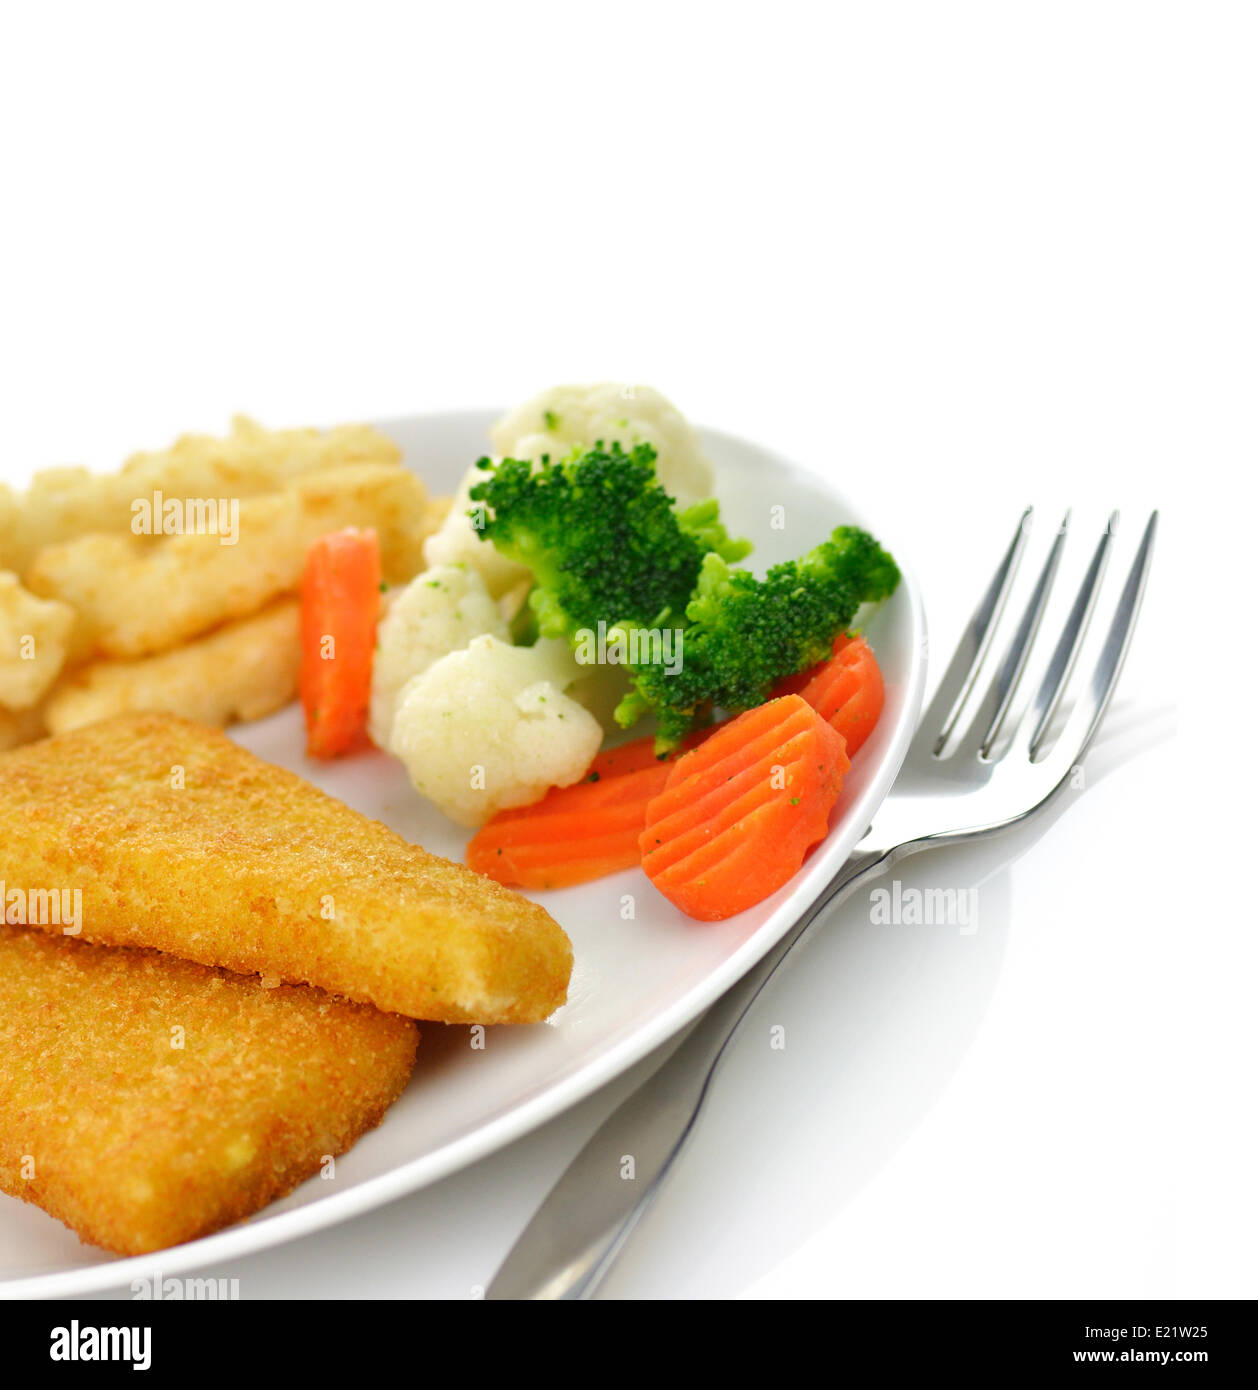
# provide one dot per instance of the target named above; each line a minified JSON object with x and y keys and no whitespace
{"x":593,"y":827}
{"x":624,"y":758}
{"x":848,"y":692}
{"x":640,"y":754}
{"x":340,"y":605}
{"x":572,"y":835}
{"x":738,"y":814}
{"x":579,"y":832}
{"x":846,"y":689}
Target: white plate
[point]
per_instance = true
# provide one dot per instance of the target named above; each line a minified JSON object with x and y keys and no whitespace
{"x":636,"y":982}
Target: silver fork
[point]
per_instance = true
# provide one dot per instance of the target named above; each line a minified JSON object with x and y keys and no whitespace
{"x":943,"y":795}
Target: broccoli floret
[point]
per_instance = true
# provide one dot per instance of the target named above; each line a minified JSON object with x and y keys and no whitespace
{"x":606,"y":544}
{"x":601,"y":536}
{"x":744,"y":634}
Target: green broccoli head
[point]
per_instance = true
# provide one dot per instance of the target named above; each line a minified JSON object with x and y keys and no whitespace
{"x":744,"y":634}
{"x":601,"y":536}
{"x":607,"y":545}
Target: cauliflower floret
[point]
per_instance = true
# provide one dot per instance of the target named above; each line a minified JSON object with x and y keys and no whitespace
{"x":458,"y":542}
{"x":490,"y":727}
{"x":439,"y":611}
{"x":555,"y":421}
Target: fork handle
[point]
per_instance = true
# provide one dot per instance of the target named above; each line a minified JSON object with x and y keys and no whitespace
{"x":576,"y":1234}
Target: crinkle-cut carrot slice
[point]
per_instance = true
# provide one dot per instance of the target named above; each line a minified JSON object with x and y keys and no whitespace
{"x":846,"y":689}
{"x":739,"y":813}
{"x":577,"y":833}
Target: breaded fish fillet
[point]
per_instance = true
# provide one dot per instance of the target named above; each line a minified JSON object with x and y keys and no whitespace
{"x":145,"y":1100}
{"x":182,"y":840}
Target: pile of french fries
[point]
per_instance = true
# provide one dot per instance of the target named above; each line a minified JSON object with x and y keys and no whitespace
{"x":131,"y":591}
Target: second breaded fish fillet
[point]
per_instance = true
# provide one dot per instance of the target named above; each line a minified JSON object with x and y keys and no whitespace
{"x":181,"y":840}
{"x":145,"y":1100}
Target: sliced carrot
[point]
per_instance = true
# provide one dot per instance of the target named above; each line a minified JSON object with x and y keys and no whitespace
{"x":625,"y":757}
{"x":848,"y":692}
{"x":738,"y":814}
{"x":340,"y":605}
{"x":593,"y":827}
{"x":793,"y":685}
{"x":579,"y":832}
{"x":846,"y":689}
{"x":572,"y":835}
{"x":640,"y":754}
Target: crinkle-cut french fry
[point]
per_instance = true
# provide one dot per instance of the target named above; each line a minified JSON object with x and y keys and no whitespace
{"x":241,"y":671}
{"x":62,"y":504}
{"x":34,"y":638}
{"x":21,"y":726}
{"x":10,"y":523}
{"x":135,"y":597}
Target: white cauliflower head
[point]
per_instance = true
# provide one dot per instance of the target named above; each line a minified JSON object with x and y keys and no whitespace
{"x":439,"y":611}
{"x":458,"y":542}
{"x":490,"y":727}
{"x":554,"y":423}
{"x":564,"y":416}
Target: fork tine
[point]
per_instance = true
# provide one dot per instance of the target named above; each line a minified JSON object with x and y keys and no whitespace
{"x":964,"y":667}
{"x":1095,"y":697}
{"x":991,"y":713}
{"x":1057,"y":675}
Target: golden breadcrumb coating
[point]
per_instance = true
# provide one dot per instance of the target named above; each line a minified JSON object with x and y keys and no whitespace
{"x":181,"y":840}
{"x":146,"y":1101}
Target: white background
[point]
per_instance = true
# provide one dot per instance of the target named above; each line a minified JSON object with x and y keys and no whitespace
{"x":964,"y":256}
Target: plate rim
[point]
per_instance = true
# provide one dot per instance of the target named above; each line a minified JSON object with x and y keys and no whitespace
{"x":263,"y":1232}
